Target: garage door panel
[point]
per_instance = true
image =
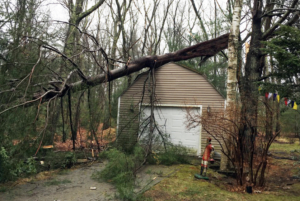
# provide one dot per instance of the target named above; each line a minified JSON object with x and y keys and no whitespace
{"x":176,"y":116}
{"x":171,"y":120}
{"x":178,"y":123}
{"x":177,"y":133}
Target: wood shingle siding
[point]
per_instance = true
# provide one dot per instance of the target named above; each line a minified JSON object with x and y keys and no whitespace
{"x":175,"y":84}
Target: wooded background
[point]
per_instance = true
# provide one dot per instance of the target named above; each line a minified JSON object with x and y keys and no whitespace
{"x":59,"y":76}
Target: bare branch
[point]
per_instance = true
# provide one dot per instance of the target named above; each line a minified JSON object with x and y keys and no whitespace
{"x":279,"y":22}
{"x":89,"y":11}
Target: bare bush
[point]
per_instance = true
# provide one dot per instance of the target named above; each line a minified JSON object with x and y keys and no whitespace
{"x":246,"y":150}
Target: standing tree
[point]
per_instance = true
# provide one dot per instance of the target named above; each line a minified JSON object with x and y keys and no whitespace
{"x":253,"y":72}
{"x":233,"y":60}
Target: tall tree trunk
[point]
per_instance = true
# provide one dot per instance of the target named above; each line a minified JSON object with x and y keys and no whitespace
{"x":152,"y":102}
{"x":249,"y":94}
{"x":233,"y":44}
{"x":264,"y":65}
{"x":76,"y":16}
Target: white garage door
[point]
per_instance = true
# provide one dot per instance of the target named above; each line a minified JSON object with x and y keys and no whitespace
{"x":171,"y":121}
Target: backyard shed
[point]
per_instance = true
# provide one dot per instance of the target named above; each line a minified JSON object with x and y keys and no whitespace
{"x":176,"y":88}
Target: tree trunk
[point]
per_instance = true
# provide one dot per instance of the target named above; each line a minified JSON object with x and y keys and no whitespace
{"x":233,"y":45}
{"x":249,"y":94}
{"x":76,"y":16}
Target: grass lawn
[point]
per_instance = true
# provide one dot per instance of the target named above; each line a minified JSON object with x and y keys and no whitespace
{"x":285,"y":146}
{"x":183,"y":186}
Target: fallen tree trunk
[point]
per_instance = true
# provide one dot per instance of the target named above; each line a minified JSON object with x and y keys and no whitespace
{"x":207,"y":48}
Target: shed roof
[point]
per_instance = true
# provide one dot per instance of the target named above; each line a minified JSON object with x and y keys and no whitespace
{"x":183,"y":66}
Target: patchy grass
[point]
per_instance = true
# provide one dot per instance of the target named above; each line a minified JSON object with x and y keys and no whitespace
{"x":285,"y":147}
{"x":183,"y":186}
{"x":64,"y":172}
{"x":280,"y":183}
{"x":57,"y":182}
{"x":283,"y":140}
{"x":286,"y":150}
{"x":150,"y":171}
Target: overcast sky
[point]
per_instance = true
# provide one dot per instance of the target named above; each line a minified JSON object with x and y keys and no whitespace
{"x":57,"y":11}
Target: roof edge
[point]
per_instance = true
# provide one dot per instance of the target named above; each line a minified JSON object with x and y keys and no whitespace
{"x":183,"y":66}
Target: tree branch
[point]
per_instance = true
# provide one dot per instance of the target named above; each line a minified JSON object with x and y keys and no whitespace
{"x":279,"y":9}
{"x":200,"y":19}
{"x":277,"y":24}
{"x":89,"y":11}
{"x":207,"y":48}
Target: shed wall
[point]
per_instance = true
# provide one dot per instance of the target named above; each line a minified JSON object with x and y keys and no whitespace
{"x":174,"y":85}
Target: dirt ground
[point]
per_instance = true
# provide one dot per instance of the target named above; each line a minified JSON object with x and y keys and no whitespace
{"x":74,"y":184}
{"x":175,"y":182}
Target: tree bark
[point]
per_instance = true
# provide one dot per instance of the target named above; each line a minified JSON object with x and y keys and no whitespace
{"x":233,"y":45}
{"x":249,"y":94}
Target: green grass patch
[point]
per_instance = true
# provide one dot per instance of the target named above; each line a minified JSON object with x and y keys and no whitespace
{"x":183,"y":186}
{"x":285,"y":147}
{"x":57,"y":182}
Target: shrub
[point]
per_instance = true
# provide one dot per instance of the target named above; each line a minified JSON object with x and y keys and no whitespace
{"x":10,"y":169}
{"x":121,"y":169}
{"x":29,"y":167}
{"x":69,"y":160}
{"x":5,"y":173}
{"x":174,"y":154}
{"x":62,"y":159}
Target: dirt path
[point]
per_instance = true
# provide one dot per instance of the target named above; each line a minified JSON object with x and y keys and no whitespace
{"x":74,"y":185}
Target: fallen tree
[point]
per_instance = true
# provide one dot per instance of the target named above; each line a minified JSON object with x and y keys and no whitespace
{"x":205,"y":49}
